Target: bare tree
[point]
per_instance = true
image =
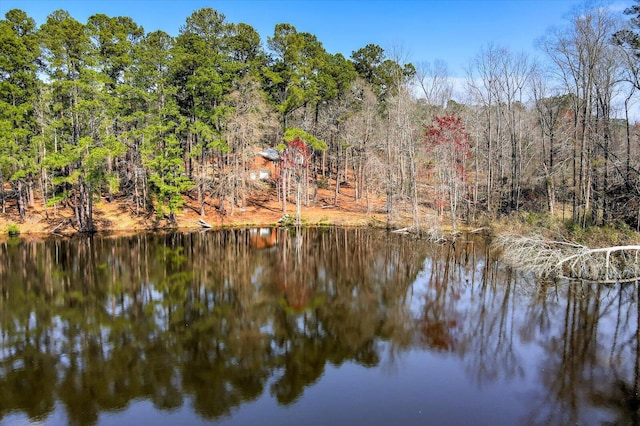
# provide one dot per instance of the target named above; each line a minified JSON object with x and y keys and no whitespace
{"x":362,"y":131}
{"x":436,"y":85}
{"x":250,"y":122}
{"x":482,"y":88}
{"x":515,"y":70}
{"x":497,"y":81}
{"x":549,"y":108}
{"x":578,"y":53}
{"x":401,"y":138}
{"x":627,"y":40}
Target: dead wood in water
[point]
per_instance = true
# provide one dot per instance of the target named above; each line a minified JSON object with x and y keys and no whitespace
{"x":204,"y":224}
{"x":549,"y":259}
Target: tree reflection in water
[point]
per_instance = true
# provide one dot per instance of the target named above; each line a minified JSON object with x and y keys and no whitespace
{"x":217,"y":319}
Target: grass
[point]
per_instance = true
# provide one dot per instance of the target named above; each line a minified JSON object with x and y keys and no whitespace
{"x":608,"y":235}
{"x":554,"y":228}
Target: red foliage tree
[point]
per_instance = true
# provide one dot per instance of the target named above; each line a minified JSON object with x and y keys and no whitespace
{"x":296,"y":154}
{"x":448,"y":144}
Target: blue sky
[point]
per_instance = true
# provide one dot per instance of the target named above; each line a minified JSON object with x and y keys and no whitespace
{"x":424,"y":30}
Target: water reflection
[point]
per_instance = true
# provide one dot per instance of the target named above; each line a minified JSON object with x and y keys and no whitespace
{"x":220,"y":320}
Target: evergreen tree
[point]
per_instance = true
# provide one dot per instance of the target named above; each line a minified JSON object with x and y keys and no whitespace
{"x":160,"y":149}
{"x":19,"y":85}
{"x":204,"y":76}
{"x":83,"y":141}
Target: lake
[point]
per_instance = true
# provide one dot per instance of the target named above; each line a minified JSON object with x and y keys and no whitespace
{"x":317,"y":326}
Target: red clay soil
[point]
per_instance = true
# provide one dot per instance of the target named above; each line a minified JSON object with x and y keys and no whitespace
{"x":262,"y":209}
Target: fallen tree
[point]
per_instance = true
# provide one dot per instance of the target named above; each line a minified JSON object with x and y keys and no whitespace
{"x":554,"y":259}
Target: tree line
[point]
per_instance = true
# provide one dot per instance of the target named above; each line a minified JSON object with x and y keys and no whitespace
{"x":103,"y":109}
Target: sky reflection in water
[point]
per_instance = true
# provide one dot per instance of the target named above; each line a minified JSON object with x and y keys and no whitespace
{"x":323,"y":326}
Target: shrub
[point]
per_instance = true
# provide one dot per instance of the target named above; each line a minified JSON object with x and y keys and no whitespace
{"x":323,"y":183}
{"x":287,"y":220}
{"x":13,"y":229}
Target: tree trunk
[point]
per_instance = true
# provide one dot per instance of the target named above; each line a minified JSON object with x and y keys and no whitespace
{"x":283,"y":179}
{"x":628,"y":135}
{"x":298,"y":198}
{"x":452,"y":200}
{"x":2,"y":194}
{"x":20,"y":198}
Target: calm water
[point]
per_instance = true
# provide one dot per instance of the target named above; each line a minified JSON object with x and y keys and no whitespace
{"x":329,"y":326}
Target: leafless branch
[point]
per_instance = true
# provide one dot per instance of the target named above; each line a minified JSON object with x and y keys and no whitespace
{"x":547,"y":258}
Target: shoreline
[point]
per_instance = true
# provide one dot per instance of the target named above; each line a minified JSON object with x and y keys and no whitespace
{"x":116,"y":218}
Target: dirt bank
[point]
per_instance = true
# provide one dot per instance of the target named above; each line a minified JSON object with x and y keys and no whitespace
{"x":119,"y":215}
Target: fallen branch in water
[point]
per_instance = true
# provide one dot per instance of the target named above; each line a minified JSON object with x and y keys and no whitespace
{"x":204,"y":224}
{"x":403,"y":230}
{"x":63,"y":223}
{"x":549,"y":259}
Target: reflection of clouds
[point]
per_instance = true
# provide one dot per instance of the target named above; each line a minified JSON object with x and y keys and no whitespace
{"x":393,"y":358}
{"x":553,"y":338}
{"x":419,"y":289}
{"x":231,"y":329}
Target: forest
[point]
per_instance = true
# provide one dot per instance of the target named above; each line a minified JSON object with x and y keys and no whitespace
{"x":103,"y":110}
